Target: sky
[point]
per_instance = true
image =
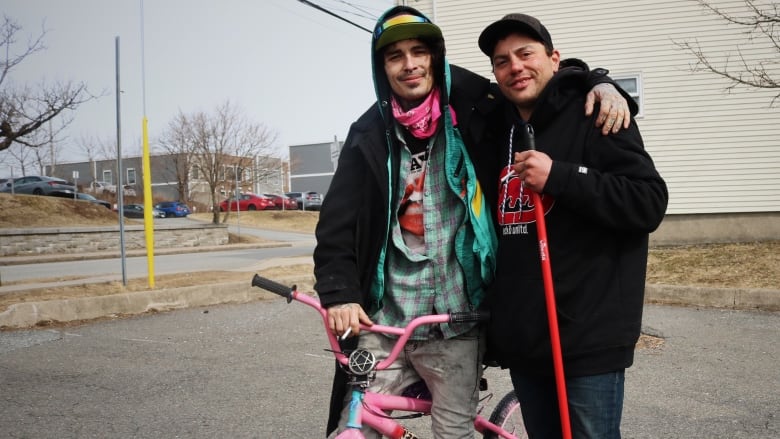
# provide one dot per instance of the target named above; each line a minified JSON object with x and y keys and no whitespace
{"x":300,"y":72}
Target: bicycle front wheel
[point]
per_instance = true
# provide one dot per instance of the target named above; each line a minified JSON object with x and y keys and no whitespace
{"x":508,"y":416}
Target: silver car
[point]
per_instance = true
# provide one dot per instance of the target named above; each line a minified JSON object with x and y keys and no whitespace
{"x":307,"y":200}
{"x":36,"y":185}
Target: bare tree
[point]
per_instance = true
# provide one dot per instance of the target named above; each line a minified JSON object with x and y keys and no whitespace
{"x":98,"y":148}
{"x":22,"y":158}
{"x":95,"y":149}
{"x":178,"y":143}
{"x":23,"y":109}
{"x":35,"y":159}
{"x":223,"y":147}
{"x":761,"y":22}
{"x":50,"y":153}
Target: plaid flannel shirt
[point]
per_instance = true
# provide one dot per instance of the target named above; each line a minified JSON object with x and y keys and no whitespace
{"x":432,"y":282}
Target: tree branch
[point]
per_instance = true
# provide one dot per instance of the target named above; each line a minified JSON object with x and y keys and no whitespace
{"x":754,"y":74}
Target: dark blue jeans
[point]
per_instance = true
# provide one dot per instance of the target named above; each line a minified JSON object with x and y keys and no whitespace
{"x":595,"y":405}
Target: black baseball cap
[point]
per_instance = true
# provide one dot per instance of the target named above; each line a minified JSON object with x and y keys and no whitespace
{"x":513,"y":23}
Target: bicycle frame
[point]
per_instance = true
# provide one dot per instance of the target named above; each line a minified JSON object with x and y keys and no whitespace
{"x":366,"y":407}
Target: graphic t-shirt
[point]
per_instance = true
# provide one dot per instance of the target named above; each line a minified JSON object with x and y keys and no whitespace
{"x":516,"y":208}
{"x":410,"y":210}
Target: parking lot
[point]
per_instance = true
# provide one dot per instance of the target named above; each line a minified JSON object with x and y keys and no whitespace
{"x":260,"y":370}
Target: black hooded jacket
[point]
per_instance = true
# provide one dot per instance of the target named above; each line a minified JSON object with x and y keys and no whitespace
{"x":606,"y":198}
{"x":358,"y":196}
{"x":353,"y":222}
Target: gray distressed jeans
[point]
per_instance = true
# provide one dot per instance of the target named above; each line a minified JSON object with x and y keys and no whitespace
{"x":451,"y":368}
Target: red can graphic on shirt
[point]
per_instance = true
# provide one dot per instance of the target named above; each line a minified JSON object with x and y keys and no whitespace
{"x":515,"y":203}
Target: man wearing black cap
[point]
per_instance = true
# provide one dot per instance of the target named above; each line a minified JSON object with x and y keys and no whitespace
{"x":601,"y":197}
{"x":405,"y":229}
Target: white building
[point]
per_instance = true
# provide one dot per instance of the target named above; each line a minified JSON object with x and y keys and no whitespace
{"x":718,"y":150}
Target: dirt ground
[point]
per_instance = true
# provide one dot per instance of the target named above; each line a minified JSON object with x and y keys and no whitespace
{"x":742,"y":265}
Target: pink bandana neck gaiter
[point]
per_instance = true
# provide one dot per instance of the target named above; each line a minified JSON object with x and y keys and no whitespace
{"x":422,"y":120}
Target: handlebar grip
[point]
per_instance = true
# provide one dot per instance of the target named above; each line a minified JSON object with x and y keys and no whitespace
{"x":469,"y":316}
{"x":272,"y":286}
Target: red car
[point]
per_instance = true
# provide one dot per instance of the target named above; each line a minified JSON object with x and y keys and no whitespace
{"x":283,"y":203}
{"x":247,"y":202}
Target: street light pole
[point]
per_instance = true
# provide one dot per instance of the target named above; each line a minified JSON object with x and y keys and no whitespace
{"x":120,"y":199}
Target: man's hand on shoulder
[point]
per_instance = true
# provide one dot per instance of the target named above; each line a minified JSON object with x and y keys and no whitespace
{"x":614,"y":111}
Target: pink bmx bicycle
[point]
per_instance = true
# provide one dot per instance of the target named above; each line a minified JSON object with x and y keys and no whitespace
{"x":371,"y":409}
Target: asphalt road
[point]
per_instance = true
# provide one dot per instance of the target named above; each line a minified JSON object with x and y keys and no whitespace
{"x":107,"y":269}
{"x":259,"y":370}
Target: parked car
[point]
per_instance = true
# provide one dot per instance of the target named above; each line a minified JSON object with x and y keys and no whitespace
{"x":137,"y":211}
{"x":247,"y":202}
{"x":80,"y":196}
{"x":37,"y":185}
{"x":307,"y":200}
{"x":87,"y":197}
{"x":128,"y":191}
{"x":100,"y":187}
{"x":282,"y":202}
{"x":173,"y":209}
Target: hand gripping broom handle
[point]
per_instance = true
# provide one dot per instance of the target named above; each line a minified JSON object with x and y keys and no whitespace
{"x":552,"y":312}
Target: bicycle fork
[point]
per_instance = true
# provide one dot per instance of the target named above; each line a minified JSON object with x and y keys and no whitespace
{"x":355,"y":407}
{"x":355,"y":421}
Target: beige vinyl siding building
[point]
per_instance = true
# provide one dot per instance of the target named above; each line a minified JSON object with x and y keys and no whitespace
{"x":719,"y":151}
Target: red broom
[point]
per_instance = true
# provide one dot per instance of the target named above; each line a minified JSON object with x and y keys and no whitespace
{"x":552,"y":313}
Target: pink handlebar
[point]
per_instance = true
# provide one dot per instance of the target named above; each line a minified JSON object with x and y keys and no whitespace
{"x":402,"y":333}
{"x":291,"y":293}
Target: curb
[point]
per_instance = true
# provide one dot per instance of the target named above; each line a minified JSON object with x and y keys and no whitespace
{"x":29,"y":314}
{"x":734,"y":298}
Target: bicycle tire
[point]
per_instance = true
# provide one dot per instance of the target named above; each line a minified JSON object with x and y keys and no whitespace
{"x":508,"y":416}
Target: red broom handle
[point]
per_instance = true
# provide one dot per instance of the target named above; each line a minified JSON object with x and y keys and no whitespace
{"x":552,"y":317}
{"x":552,"y":311}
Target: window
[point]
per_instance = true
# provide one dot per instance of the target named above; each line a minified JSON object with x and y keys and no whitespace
{"x":632,"y":84}
{"x":107,"y":178}
{"x":131,"y":176}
